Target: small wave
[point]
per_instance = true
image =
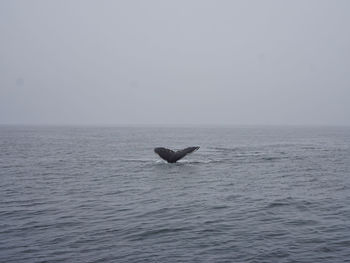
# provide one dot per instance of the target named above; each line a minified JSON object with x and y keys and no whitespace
{"x":225,"y":149}
{"x":270,"y":158}
{"x":309,"y":147}
{"x":207,"y":161}
{"x":273,"y":158}
{"x":289,"y":201}
{"x":152,"y":233}
{"x":218,"y":207}
{"x":277,"y":204}
{"x":159,"y":161}
{"x":138,"y":160}
{"x":301,"y":222}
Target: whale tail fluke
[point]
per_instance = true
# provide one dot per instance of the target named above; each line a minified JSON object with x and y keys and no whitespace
{"x":172,"y":156}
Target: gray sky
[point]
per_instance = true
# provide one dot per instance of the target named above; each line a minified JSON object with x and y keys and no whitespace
{"x":175,"y":62}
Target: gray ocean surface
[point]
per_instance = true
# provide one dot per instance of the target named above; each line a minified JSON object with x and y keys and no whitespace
{"x":249,"y":194}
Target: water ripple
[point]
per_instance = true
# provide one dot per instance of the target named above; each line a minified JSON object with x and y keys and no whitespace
{"x":102,"y":195}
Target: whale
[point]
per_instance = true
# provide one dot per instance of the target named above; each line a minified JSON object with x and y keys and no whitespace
{"x":173,"y":156}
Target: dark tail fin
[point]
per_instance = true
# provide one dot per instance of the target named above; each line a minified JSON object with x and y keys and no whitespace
{"x":171,"y":156}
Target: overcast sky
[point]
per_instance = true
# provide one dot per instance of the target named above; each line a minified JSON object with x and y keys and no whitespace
{"x":175,"y":62}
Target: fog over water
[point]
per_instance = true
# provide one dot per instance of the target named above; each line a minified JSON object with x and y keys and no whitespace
{"x":175,"y":62}
{"x":88,"y":89}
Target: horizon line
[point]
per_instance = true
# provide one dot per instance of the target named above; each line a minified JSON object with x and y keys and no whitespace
{"x":169,"y":125}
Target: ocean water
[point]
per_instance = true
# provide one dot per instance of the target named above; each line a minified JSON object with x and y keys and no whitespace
{"x":249,"y":194}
